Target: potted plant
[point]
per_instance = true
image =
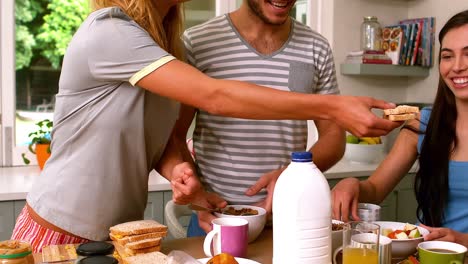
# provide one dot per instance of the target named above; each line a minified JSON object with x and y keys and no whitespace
{"x":40,"y":142}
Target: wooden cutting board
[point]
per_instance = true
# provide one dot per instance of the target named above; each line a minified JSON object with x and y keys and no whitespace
{"x":55,"y":253}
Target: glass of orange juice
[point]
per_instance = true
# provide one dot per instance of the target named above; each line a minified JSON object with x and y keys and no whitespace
{"x":361,"y":243}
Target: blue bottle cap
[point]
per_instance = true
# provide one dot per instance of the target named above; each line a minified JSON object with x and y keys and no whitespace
{"x":302,"y":156}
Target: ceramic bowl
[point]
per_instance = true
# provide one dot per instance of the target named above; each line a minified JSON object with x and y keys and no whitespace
{"x":402,"y":248}
{"x":256,"y":222}
{"x":364,"y":153}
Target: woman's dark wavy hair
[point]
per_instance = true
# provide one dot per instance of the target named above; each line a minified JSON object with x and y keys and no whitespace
{"x":431,"y":182}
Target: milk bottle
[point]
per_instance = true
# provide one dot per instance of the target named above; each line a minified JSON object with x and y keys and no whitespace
{"x":301,"y":214}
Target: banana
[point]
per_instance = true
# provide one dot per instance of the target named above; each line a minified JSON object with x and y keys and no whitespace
{"x":369,"y":140}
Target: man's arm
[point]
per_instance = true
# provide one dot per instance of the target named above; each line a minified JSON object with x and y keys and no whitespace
{"x":330,"y":146}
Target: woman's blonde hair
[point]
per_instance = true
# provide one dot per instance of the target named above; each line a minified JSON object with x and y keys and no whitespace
{"x":166,"y":33}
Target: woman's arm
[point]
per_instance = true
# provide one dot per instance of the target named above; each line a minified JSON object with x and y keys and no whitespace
{"x":184,"y":83}
{"x":349,"y":192}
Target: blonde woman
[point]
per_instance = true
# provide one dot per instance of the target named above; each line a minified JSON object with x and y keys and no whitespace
{"x":121,"y":79}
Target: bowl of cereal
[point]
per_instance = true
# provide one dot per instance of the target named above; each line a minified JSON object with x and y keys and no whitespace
{"x":256,"y":216}
{"x":337,"y":234}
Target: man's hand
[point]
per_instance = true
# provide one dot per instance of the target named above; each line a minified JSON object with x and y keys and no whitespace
{"x":209,"y":200}
{"x":353,"y":114}
{"x":268,"y":181}
{"x":345,"y":198}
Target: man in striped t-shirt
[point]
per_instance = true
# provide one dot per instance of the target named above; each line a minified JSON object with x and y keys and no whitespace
{"x":241,"y":159}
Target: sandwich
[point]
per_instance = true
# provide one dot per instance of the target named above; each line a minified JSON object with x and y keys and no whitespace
{"x":401,"y":113}
{"x":137,"y":237}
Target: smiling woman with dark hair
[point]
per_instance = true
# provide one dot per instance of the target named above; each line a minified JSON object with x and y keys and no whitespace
{"x":439,"y":139}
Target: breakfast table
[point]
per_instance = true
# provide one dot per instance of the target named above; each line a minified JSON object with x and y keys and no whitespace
{"x":260,"y":250}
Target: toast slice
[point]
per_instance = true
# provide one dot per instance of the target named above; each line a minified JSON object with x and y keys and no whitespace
{"x":127,"y":252}
{"x":401,"y":117}
{"x":401,"y":109}
{"x":145,"y":243}
{"x":137,"y":228}
{"x":123,"y":240}
{"x":149,"y":258}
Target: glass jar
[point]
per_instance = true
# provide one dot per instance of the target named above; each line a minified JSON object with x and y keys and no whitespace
{"x":15,"y":252}
{"x":371,"y":34}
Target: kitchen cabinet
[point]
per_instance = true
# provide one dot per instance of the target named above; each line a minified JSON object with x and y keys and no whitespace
{"x":9,"y":211}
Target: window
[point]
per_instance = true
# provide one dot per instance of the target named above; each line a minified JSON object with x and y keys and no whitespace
{"x":34,"y":36}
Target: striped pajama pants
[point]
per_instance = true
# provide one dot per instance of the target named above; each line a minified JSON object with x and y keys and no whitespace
{"x":26,"y":229}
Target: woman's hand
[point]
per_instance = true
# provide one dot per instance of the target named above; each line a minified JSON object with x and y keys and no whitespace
{"x":345,"y":198}
{"x":185,"y":185}
{"x":445,"y":234}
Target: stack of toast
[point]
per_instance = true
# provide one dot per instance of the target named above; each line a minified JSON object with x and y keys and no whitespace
{"x":402,"y":113}
{"x":137,"y":237}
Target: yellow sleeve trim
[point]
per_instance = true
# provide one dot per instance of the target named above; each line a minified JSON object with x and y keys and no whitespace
{"x":150,"y":68}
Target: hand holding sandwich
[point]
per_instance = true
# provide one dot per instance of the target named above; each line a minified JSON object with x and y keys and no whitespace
{"x":358,"y":119}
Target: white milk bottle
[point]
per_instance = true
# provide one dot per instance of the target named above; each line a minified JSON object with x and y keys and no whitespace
{"x":301,"y":214}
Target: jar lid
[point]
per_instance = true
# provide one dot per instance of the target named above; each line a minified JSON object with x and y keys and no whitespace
{"x":17,"y":255}
{"x":98,"y":260}
{"x":14,"y":249}
{"x":370,"y":18}
{"x":95,"y":248}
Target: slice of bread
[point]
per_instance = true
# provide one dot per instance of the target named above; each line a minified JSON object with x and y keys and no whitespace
{"x":401,"y":109}
{"x":137,"y":228}
{"x":401,"y":117}
{"x":145,"y":243}
{"x":149,"y":258}
{"x":133,"y":252}
{"x":123,"y":240}
{"x":127,"y":252}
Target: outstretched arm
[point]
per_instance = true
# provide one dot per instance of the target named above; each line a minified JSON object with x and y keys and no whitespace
{"x":182,"y":82}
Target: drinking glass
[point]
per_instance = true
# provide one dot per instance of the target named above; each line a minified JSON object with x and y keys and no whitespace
{"x":361,"y":243}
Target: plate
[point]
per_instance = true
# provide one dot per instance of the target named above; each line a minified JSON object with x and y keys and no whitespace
{"x":240,"y":260}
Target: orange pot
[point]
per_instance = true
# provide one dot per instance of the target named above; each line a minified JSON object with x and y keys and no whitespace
{"x":42,"y":154}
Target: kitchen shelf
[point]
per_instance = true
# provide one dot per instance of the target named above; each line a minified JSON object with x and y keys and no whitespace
{"x":384,"y":70}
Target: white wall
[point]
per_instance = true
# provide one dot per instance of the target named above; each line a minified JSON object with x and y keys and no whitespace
{"x":346,"y":21}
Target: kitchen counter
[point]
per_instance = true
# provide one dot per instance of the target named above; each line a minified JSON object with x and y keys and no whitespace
{"x":15,"y":182}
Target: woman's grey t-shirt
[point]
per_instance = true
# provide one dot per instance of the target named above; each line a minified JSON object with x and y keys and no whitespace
{"x":108,"y":134}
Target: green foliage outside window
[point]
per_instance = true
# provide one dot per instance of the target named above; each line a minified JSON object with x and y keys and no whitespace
{"x":44,"y":28}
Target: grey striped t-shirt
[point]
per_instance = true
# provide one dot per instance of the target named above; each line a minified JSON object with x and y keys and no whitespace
{"x":232,"y":153}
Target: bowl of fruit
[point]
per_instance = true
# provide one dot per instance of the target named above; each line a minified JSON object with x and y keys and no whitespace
{"x":363,"y":149}
{"x":405,"y":237}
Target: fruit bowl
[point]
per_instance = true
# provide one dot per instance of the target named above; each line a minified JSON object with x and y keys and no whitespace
{"x":363,"y":150}
{"x":402,"y":248}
